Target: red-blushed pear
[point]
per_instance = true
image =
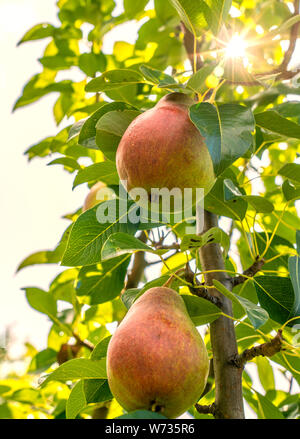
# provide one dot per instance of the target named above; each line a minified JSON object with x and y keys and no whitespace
{"x":162,"y":148}
{"x":92,"y":197}
{"x":156,"y":359}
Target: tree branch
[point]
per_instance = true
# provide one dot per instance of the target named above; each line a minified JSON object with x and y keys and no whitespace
{"x":228,"y":379}
{"x":199,"y":290}
{"x":84,"y":343}
{"x":206,"y":409}
{"x":250,"y":272}
{"x":293,"y":39}
{"x":265,"y":350}
{"x":189,"y":44}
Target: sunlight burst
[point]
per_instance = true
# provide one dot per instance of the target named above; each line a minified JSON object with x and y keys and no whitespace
{"x":236,"y":47}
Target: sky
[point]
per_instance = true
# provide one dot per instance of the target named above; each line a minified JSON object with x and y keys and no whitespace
{"x":33,"y":196}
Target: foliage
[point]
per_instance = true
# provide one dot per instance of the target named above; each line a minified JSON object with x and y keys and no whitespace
{"x":251,"y":125}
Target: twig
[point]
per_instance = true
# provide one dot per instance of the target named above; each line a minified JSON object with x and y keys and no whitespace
{"x":199,"y":290}
{"x":159,"y":246}
{"x":206,"y":409}
{"x":84,"y":343}
{"x":266,"y":350}
{"x":250,"y":272}
{"x":175,"y":275}
{"x":189,"y":41}
{"x":293,"y":39}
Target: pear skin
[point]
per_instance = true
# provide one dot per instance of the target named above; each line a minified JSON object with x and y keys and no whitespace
{"x":91,"y":199}
{"x":156,"y":359}
{"x":162,"y":148}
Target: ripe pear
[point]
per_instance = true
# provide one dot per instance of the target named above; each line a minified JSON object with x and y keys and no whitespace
{"x":162,"y":148}
{"x":156,"y":359}
{"x":93,"y":197}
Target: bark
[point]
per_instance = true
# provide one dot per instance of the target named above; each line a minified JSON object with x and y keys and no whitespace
{"x":228,"y":378}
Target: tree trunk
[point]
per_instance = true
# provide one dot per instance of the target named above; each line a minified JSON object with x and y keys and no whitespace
{"x":228,"y":378}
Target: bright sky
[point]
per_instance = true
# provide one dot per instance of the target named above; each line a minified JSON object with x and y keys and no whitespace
{"x":33,"y":196}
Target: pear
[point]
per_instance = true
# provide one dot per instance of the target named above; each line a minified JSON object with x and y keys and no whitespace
{"x":98,"y":192}
{"x":92,"y":197}
{"x":162,"y":148}
{"x":156,"y":359}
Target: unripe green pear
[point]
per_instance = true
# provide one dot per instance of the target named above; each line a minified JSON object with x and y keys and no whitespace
{"x":156,"y":359}
{"x":162,"y":148}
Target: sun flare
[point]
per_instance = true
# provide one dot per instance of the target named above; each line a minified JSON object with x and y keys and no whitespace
{"x":236,"y":47}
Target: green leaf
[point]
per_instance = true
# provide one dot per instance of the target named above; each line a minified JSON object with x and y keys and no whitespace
{"x":86,"y":392}
{"x":110,"y":128}
{"x":42,"y":360}
{"x":132,"y":8}
{"x":129,"y":296}
{"x":102,"y":171}
{"x":267,"y":409}
{"x":215,"y":201}
{"x":4,"y":389}
{"x":227,"y":130}
{"x":120,"y":243}
{"x":39,"y":86}
{"x":231,"y":191}
{"x":91,"y":230}
{"x":41,"y":301}
{"x":215,"y":234}
{"x":90,"y":63}
{"x":265,"y":373}
{"x":197,"y":80}
{"x":219,"y":12}
{"x":291,"y":171}
{"x":290,"y":191}
{"x":257,"y":315}
{"x":38,"y":32}
{"x":157,"y":77}
{"x":87,"y":135}
{"x":29,"y":396}
{"x":100,"y":350}
{"x":78,"y":368}
{"x":288,"y":109}
{"x":47,"y":256}
{"x":200,"y":310}
{"x":259,"y":204}
{"x":114,"y":79}
{"x":116,"y":122}
{"x":194,"y":13}
{"x":294,"y":269}
{"x":298,"y":241}
{"x":103,"y":282}
{"x":276,"y":296}
{"x":272,"y":121}
{"x":58,"y":62}
{"x":67,"y":162}
{"x":141,"y":414}
{"x":76,"y":401}
{"x":75,"y":129}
